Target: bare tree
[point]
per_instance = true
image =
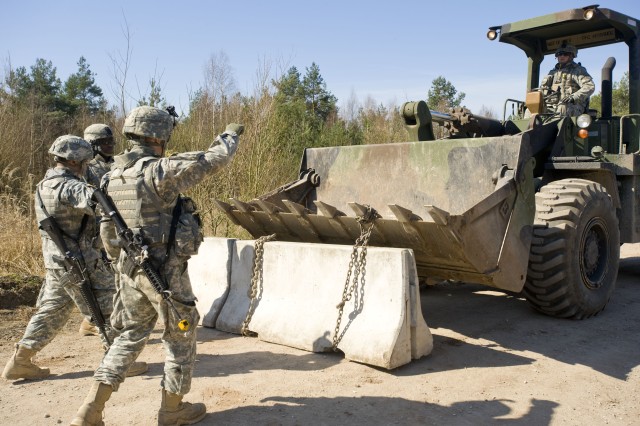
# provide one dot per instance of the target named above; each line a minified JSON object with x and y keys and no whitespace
{"x":120,"y":63}
{"x":351,"y":107}
{"x":154,"y":96}
{"x":219,"y":82}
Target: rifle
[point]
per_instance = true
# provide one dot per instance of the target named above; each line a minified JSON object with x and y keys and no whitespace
{"x":137,"y":252}
{"x":77,"y":270}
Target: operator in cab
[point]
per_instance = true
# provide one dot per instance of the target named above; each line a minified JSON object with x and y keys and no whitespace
{"x":568,"y":85}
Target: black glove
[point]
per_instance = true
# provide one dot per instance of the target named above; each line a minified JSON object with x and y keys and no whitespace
{"x":567,"y":100}
{"x":234,"y":128}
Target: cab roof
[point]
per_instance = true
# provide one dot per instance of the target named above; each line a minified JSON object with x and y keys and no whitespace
{"x":589,"y":26}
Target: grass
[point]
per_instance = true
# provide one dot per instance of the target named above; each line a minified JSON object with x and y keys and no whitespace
{"x":21,"y":251}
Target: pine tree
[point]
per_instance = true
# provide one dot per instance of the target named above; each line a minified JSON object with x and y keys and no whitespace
{"x":443,"y":95}
{"x":320,"y":103}
{"x":81,"y":91}
{"x":39,"y":87}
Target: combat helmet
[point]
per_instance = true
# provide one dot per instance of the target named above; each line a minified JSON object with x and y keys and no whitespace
{"x":146,"y":121}
{"x":567,"y":48}
{"x":71,"y":147}
{"x":97,"y":132}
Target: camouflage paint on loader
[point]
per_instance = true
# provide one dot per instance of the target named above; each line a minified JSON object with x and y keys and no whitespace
{"x":537,"y":202}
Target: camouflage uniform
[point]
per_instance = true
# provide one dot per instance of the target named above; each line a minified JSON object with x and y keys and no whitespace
{"x":68,"y":200}
{"x":570,"y":80}
{"x":97,"y":168}
{"x":101,"y":139}
{"x":145,"y":188}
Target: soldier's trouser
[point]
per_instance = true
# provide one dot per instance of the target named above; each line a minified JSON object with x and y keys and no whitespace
{"x":137,"y":306}
{"x":55,"y":304}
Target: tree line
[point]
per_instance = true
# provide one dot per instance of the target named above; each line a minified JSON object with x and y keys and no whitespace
{"x":286,"y":112}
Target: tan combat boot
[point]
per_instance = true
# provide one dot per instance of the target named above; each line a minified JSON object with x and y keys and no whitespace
{"x":136,"y":369}
{"x":90,"y":414}
{"x":87,"y":328}
{"x":174,"y":412}
{"x":21,"y":367}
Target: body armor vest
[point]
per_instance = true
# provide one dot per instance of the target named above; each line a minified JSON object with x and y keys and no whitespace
{"x":69,"y":219}
{"x":142,"y":209}
{"x":79,"y":230}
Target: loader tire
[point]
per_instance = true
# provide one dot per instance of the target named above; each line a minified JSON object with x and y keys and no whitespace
{"x":575,"y":251}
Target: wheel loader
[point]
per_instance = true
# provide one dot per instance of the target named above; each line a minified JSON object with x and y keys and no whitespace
{"x":536,"y":203}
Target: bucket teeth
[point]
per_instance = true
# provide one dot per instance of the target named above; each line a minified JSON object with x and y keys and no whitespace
{"x":242,"y":206}
{"x":268,"y":207}
{"x":228,"y":209}
{"x":358,"y":209}
{"x":328,"y":210}
{"x":403,"y":214}
{"x":295,"y":208}
{"x":439,"y":216}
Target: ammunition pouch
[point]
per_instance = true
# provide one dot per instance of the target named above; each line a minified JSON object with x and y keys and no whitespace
{"x":128,"y":266}
{"x":68,"y":279}
{"x":188,"y":229}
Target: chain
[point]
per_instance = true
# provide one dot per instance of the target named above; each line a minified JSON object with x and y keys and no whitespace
{"x":256,"y":278}
{"x":357,"y":265}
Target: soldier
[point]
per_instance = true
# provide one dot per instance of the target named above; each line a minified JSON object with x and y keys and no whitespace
{"x":568,"y":85}
{"x":101,"y":139}
{"x":146,"y":187}
{"x":64,"y":195}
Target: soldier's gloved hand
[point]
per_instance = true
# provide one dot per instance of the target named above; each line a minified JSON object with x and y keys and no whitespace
{"x":234,"y":128}
{"x":567,"y":100}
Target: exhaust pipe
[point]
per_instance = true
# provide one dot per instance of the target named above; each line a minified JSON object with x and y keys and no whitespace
{"x":607,"y":88}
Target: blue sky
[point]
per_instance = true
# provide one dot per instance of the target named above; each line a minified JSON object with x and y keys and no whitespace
{"x":389,"y":51}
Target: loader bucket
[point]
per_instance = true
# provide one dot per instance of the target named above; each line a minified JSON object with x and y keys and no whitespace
{"x":464,"y":206}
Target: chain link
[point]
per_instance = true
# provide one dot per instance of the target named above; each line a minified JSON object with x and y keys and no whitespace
{"x":256,"y":278}
{"x":357,"y":266}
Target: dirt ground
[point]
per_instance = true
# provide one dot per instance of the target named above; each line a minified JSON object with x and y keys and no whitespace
{"x":495,"y":361}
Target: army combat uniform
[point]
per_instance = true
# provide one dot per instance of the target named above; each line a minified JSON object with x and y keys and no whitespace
{"x":68,"y":200}
{"x":145,"y":188}
{"x":65,"y":198}
{"x":97,"y":168}
{"x":101,"y":139}
{"x":570,"y":81}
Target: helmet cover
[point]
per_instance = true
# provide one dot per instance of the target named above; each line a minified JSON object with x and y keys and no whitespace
{"x":71,"y":147}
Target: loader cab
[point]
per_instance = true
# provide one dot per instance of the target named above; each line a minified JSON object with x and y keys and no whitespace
{"x":587,"y":27}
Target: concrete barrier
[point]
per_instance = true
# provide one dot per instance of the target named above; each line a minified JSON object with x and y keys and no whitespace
{"x":209,"y":273}
{"x":303,"y":283}
{"x":296,"y":300}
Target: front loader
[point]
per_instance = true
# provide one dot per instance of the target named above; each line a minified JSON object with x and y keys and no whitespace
{"x":536,"y":202}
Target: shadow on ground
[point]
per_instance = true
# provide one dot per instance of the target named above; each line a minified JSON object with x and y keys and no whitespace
{"x":607,"y":343}
{"x":380,"y":410}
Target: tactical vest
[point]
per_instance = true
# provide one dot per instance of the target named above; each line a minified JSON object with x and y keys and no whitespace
{"x":141,"y":208}
{"x":69,"y":219}
{"x":563,"y":80}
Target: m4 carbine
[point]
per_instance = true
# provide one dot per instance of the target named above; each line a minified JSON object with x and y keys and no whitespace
{"x":77,"y":271}
{"x":137,"y":252}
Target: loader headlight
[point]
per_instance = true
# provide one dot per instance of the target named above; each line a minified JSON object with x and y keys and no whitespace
{"x":583,"y":121}
{"x":492,"y":34}
{"x":588,"y":14}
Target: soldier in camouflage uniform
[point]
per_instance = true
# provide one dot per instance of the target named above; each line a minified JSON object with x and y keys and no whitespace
{"x":568,"y":85}
{"x":101,"y":139}
{"x":146,"y":187}
{"x":64,"y":195}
